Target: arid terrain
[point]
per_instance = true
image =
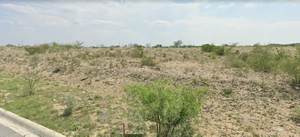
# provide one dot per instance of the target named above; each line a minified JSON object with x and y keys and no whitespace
{"x":259,"y":103}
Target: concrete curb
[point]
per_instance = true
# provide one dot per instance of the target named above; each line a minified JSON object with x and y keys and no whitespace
{"x":29,"y":125}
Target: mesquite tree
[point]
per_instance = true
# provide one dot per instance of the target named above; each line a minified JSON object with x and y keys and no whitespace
{"x":171,"y":106}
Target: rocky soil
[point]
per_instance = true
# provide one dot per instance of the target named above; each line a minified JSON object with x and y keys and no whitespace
{"x":260,"y":103}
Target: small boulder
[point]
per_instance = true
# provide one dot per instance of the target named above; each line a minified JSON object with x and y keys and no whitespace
{"x":56,"y":70}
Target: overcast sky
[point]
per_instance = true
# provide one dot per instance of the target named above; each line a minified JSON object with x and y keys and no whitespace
{"x":119,"y":22}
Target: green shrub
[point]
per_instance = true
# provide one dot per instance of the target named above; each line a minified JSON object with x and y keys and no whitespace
{"x":67,"y":111}
{"x":297,"y":51}
{"x":77,"y":44}
{"x":52,"y":47}
{"x":37,"y":49}
{"x":244,"y":56}
{"x":32,"y":50}
{"x":148,"y":61}
{"x":185,"y":56}
{"x":261,"y":49}
{"x":208,"y":47}
{"x":229,"y":50}
{"x":233,"y":61}
{"x":177,"y":43}
{"x":83,"y":56}
{"x":186,"y":130}
{"x":295,"y":115}
{"x":227,"y":91}
{"x":70,"y":102}
{"x":99,"y":112}
{"x":157,"y":68}
{"x":292,"y":67}
{"x":262,"y":60}
{"x":237,"y":52}
{"x":10,"y":45}
{"x":137,"y":52}
{"x":97,"y":97}
{"x":220,"y":50}
{"x":249,"y":129}
{"x":174,"y":108}
{"x":32,"y":78}
{"x":157,"y":46}
{"x":213,"y":55}
{"x":63,"y":47}
{"x":280,"y":53}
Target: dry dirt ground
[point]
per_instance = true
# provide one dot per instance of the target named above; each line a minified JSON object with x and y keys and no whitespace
{"x":252,"y":109}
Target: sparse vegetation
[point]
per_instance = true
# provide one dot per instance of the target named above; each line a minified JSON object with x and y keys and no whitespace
{"x":296,"y":114}
{"x":40,"y":107}
{"x":213,"y":55}
{"x":79,"y":89}
{"x":249,"y":129}
{"x":227,"y":91}
{"x":235,"y":61}
{"x":37,"y":49}
{"x":97,"y":97}
{"x":68,"y":101}
{"x":147,"y":61}
{"x":292,"y":67}
{"x":31,"y":77}
{"x":280,"y":54}
{"x":138,"y":51}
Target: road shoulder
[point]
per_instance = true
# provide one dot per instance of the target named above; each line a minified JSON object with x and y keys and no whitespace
{"x":16,"y":128}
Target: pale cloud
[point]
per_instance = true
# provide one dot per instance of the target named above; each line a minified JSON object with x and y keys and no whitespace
{"x":37,"y":19}
{"x":207,"y":6}
{"x":161,"y":23}
{"x":202,"y":20}
{"x":188,"y":22}
{"x":77,"y":22}
{"x":287,"y":24}
{"x":9,"y":22}
{"x":49,"y":20}
{"x":240,"y":30}
{"x":145,"y":21}
{"x":79,"y":9}
{"x":107,"y":22}
{"x":51,"y":24}
{"x":128,"y":31}
{"x":286,"y":0}
{"x":162,"y":33}
{"x":103,"y":32}
{"x":250,"y":5}
{"x":23,"y":9}
{"x":113,"y":23}
{"x":27,"y":28}
{"x":226,"y":6}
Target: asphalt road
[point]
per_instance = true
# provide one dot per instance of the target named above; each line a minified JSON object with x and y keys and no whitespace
{"x":12,"y":125}
{"x":7,"y":132}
